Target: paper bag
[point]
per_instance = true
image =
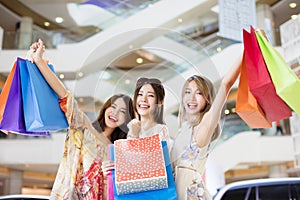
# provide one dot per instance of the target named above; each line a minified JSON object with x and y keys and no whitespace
{"x":41,"y":106}
{"x":139,"y":165}
{"x":162,"y":194}
{"x":5,"y":90}
{"x":246,"y":105}
{"x":260,"y":83}
{"x":286,"y":82}
{"x":13,"y":118}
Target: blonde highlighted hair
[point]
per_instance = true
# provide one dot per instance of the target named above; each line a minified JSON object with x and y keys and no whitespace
{"x":207,"y":90}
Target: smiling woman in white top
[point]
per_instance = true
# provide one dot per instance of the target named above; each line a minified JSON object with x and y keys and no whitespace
{"x":148,"y":103}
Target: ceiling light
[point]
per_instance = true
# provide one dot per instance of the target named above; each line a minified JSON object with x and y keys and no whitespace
{"x":80,"y":74}
{"x":219,"y":49}
{"x":59,"y":19}
{"x":294,"y":16}
{"x":130,"y":46}
{"x":127,"y":81}
{"x":61,"y":76}
{"x":293,"y":5}
{"x":47,"y":24}
{"x":180,"y":20}
{"x":139,"y":60}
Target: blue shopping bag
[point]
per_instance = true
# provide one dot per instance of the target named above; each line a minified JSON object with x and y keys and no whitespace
{"x":13,"y":118}
{"x":41,"y":106}
{"x":162,"y":194}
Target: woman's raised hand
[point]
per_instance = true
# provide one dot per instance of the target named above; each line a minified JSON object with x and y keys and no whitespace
{"x":134,"y":127}
{"x":36,"y":52}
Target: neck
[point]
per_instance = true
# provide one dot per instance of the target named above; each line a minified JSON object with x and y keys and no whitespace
{"x":108,"y":131}
{"x":193,"y":119}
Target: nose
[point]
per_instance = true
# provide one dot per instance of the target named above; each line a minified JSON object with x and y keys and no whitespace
{"x":193,"y":96}
{"x":115,"y":112}
{"x":144,"y":98}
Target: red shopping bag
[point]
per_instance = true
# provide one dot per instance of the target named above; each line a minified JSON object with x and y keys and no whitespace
{"x":161,"y":194}
{"x":246,"y":105}
{"x":139,"y":165}
{"x":260,"y":82}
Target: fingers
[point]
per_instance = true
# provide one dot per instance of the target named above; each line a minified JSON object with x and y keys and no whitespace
{"x":107,"y":166}
{"x":36,"y":51}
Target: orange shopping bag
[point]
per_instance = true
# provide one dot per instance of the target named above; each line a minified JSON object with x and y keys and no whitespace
{"x":246,"y":105}
{"x":5,"y":91}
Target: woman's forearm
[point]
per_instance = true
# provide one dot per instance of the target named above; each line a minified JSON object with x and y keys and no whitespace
{"x":51,"y":78}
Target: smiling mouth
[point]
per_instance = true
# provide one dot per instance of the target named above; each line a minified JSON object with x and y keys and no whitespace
{"x":143,"y":106}
{"x":114,"y":119}
{"x":192,"y":105}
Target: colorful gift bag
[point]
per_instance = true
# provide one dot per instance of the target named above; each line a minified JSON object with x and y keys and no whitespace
{"x":246,"y":105}
{"x":259,"y":80}
{"x":5,"y":90}
{"x":139,"y":165}
{"x":41,"y":106}
{"x":286,"y":82}
{"x":162,"y":194}
{"x":110,"y":184}
{"x":13,"y":118}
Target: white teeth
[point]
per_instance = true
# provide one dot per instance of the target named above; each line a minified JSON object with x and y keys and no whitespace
{"x":144,"y":106}
{"x":113,"y":118}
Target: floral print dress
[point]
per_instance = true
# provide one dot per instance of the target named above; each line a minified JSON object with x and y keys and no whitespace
{"x":189,"y":164}
{"x":79,"y":175}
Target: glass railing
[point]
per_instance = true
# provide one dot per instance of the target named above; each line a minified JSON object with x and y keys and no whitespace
{"x":120,"y":11}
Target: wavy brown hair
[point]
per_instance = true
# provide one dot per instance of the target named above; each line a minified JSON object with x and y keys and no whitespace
{"x":121,"y":131}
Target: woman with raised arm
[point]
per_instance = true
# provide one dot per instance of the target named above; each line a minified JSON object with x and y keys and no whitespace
{"x":199,"y":115}
{"x":79,"y":176}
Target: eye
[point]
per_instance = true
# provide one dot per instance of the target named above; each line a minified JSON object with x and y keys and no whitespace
{"x":199,"y":93}
{"x":140,"y":94}
{"x":187,"y":92}
{"x":151,"y":95}
{"x":113,"y":106}
{"x":123,"y":111}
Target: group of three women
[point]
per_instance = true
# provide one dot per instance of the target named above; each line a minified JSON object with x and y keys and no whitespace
{"x":80,"y":175}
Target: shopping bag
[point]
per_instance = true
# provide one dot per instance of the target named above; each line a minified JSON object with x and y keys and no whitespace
{"x":162,"y":194}
{"x":139,"y":165}
{"x":110,"y":184}
{"x":246,"y":105}
{"x":286,"y":82}
{"x":260,"y":82}
{"x":41,"y":106}
{"x":13,"y":119}
{"x":5,"y":90}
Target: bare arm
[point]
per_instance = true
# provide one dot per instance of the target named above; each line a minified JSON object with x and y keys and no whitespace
{"x":204,"y":131}
{"x":35,"y":54}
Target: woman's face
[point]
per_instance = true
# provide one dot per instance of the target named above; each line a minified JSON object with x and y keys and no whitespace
{"x":146,"y":100}
{"x":115,"y":115}
{"x":193,"y":100}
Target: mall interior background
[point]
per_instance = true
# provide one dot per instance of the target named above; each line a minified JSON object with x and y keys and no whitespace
{"x":112,"y":42}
